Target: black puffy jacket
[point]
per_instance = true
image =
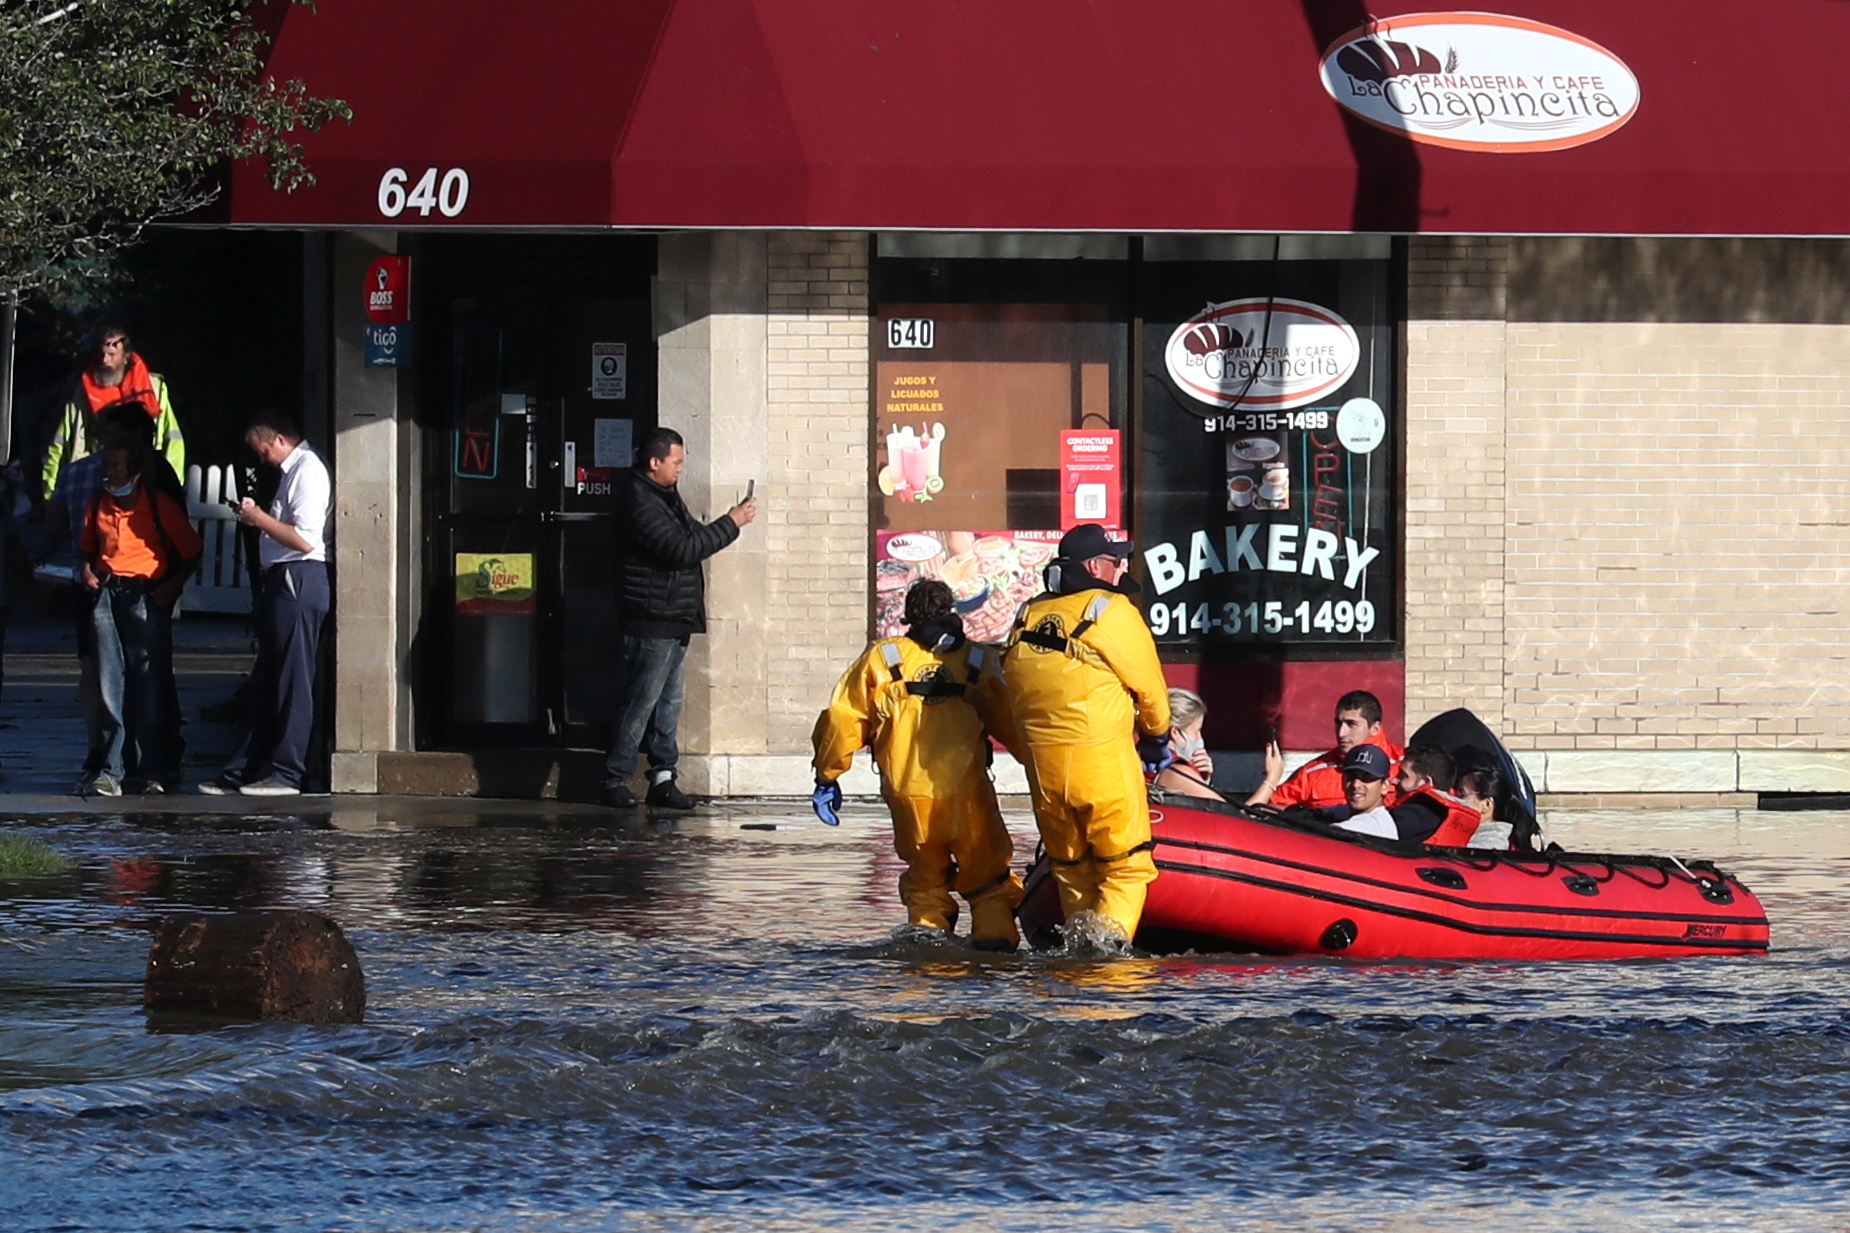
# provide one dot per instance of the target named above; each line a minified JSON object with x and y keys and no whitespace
{"x":660,"y":590}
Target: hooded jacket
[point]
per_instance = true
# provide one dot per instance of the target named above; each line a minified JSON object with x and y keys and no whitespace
{"x":924,"y":703}
{"x":661,"y":592}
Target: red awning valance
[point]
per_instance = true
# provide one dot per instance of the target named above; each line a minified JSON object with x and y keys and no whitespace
{"x":1116,"y":115}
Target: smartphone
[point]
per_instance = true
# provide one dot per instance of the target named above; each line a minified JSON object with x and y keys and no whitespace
{"x":751,"y":486}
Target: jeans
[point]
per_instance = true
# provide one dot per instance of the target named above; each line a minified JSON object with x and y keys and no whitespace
{"x":137,"y":723}
{"x":295,"y":604}
{"x":649,"y":693}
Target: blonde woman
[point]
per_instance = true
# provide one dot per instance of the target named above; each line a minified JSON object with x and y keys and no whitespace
{"x":1192,"y":773}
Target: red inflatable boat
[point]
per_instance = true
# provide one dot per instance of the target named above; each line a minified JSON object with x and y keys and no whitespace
{"x":1260,"y":881}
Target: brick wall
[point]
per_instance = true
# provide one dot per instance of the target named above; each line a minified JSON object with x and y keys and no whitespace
{"x":1642,"y":498}
{"x":1455,"y":400}
{"x":817,"y":529}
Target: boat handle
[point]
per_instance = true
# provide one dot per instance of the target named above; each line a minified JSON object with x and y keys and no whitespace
{"x":1581,"y":884}
{"x":1451,"y":879}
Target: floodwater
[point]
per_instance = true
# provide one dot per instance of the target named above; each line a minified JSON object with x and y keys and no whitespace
{"x":579,"y":1025}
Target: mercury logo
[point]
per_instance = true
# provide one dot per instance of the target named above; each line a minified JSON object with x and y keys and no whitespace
{"x":1262,"y":354}
{"x":1480,"y":81}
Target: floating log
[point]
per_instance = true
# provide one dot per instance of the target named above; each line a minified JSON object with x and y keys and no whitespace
{"x":290,"y":965}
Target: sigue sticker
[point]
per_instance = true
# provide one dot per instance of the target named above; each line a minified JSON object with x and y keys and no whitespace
{"x":1481,"y":81}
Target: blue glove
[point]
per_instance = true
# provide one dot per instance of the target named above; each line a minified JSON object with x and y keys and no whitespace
{"x":1154,"y":753}
{"x":826,"y":801}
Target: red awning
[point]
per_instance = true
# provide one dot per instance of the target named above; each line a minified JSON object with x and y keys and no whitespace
{"x":1113,"y":115}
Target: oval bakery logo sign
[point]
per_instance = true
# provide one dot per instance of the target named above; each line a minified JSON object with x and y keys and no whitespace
{"x":1480,"y":81}
{"x":1262,"y":353}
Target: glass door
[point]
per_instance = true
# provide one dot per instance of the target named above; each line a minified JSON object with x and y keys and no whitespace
{"x":544,"y":384}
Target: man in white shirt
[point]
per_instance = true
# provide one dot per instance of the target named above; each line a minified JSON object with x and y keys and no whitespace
{"x":1365,"y":779}
{"x":292,"y":552}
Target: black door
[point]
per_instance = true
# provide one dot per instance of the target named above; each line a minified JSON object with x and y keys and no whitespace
{"x":542,"y":382}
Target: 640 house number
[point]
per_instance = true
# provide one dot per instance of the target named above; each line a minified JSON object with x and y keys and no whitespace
{"x":445,"y":192}
{"x":1331,"y":617}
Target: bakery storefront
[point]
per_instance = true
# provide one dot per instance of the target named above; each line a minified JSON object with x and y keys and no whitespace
{"x":1227,"y":402}
{"x":1421,"y":352}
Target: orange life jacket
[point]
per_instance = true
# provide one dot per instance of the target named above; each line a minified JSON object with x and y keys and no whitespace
{"x":136,"y":384}
{"x":1461,"y":821}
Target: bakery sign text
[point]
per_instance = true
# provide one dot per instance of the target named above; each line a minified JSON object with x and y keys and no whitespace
{"x":1480,"y":81}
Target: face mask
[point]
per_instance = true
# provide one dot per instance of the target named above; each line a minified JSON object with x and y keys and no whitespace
{"x":123,"y":491}
{"x":1191,"y":747}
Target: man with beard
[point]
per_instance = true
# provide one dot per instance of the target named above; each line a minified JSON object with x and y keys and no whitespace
{"x":116,"y":375}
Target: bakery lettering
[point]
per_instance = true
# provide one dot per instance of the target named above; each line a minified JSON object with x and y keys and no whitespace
{"x":1284,"y":549}
{"x":1481,"y":81}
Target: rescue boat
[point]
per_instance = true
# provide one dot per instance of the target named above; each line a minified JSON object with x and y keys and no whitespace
{"x":1234,"y":878}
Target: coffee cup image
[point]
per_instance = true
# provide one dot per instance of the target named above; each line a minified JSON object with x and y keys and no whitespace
{"x":1240,"y":490}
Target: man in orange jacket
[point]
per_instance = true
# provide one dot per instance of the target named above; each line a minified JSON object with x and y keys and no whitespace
{"x":1319,"y":782}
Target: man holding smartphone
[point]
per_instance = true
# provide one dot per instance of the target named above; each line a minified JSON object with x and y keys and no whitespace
{"x":273,"y":758}
{"x":661,"y":603}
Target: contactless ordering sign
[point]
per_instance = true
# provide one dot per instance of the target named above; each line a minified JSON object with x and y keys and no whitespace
{"x":1091,"y":486}
{"x":1480,"y":81}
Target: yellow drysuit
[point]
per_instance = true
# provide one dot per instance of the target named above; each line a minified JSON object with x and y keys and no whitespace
{"x":924,"y":712}
{"x":1083,"y":678}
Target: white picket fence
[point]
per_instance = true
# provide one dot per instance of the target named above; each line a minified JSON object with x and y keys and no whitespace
{"x":221,"y":584}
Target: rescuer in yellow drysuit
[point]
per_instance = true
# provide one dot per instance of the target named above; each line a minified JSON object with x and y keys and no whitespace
{"x":1084,"y":683}
{"x":923,"y":702}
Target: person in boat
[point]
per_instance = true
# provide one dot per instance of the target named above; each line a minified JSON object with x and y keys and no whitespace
{"x":1088,"y":696}
{"x":1192,"y":772}
{"x":925,"y":703}
{"x":1366,"y":772}
{"x":1424,"y":782}
{"x":1318,"y":784}
{"x":1479,"y":788}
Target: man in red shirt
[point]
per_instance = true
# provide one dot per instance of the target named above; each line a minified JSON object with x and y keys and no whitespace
{"x":1319,"y":782}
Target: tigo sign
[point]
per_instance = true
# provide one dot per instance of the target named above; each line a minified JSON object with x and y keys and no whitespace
{"x":1262,"y":354}
{"x":1480,"y":81}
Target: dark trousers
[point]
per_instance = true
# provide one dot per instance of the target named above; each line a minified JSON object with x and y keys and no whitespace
{"x":294,"y":607}
{"x":137,"y":725}
{"x":649,"y":693}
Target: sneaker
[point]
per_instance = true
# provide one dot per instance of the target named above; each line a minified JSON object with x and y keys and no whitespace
{"x":100,"y":784}
{"x":619,"y":797}
{"x":218,"y":787}
{"x":272,"y":786}
{"x":664,"y":795}
{"x":153,"y":787}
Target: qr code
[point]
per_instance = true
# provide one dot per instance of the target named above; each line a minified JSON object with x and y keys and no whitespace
{"x":1089,"y":501}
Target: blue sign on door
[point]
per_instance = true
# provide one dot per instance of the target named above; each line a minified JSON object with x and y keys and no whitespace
{"x":388,"y":346}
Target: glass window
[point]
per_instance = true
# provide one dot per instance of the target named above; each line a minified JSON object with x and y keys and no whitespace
{"x":1267,"y":506}
{"x":983,"y":370}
